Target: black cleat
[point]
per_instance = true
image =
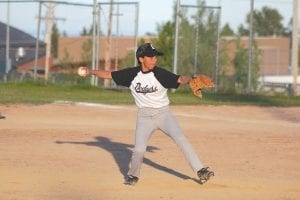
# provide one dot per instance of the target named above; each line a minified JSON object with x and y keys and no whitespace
{"x":204,"y":174}
{"x":131,"y":180}
{"x":1,"y":116}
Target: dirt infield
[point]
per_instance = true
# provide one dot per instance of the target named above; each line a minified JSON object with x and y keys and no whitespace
{"x":80,"y":152}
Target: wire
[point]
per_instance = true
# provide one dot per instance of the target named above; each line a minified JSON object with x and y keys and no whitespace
{"x":271,"y":1}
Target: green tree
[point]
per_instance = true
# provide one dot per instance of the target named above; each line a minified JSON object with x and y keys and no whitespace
{"x":204,"y":23}
{"x":241,"y":68}
{"x":227,"y":31}
{"x":67,"y":60}
{"x":165,"y":44}
{"x":266,"y":22}
{"x":186,"y":48}
{"x":86,"y":32}
{"x":225,"y":79}
{"x":197,"y":40}
{"x":242,"y":31}
{"x":54,"y":41}
{"x":86,"y":51}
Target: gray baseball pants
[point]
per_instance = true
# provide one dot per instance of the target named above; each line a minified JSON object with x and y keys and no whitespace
{"x":151,"y":119}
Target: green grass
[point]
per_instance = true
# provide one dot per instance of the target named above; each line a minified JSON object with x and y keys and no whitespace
{"x":40,"y":93}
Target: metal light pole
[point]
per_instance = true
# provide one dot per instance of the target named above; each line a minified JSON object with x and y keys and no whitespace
{"x":249,"y":88}
{"x":94,"y":40}
{"x":137,"y":11}
{"x":8,"y":62}
{"x":295,"y":49}
{"x":117,"y":39}
{"x":196,"y":47}
{"x":97,"y":64}
{"x":176,"y":37}
{"x":107,"y":51}
{"x":218,"y":50}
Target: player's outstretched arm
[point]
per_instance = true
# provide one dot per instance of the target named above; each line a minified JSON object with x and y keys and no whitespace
{"x":101,"y":74}
{"x":85,"y":71}
{"x":184,"y":79}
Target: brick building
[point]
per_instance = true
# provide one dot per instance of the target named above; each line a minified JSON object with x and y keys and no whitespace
{"x":274,"y":57}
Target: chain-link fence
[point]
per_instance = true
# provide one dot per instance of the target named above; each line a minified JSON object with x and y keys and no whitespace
{"x":198,"y":37}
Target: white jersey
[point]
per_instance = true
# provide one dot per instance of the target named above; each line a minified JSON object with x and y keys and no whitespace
{"x":149,"y":89}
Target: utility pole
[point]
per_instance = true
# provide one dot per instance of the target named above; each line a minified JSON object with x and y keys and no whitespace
{"x":108,"y":44}
{"x":295,"y":49}
{"x":135,"y":22}
{"x":49,"y":24}
{"x":37,"y":42}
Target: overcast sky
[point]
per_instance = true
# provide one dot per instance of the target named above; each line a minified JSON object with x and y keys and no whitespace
{"x":72,"y":19}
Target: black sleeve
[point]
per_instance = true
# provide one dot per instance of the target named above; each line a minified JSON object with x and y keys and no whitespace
{"x":124,"y":77}
{"x":166,"y":78}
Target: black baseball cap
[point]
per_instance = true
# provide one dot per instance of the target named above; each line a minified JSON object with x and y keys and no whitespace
{"x":147,"y":49}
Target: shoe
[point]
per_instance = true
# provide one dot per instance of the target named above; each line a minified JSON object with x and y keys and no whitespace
{"x":131,"y":180}
{"x":204,"y":174}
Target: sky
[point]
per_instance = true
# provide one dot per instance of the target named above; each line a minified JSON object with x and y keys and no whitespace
{"x":72,"y":19}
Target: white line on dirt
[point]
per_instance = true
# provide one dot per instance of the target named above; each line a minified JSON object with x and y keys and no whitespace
{"x":180,"y":114}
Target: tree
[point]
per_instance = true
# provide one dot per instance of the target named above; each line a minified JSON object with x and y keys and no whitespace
{"x":54,"y":40}
{"x":67,"y":60}
{"x":241,"y":67}
{"x":197,"y":40}
{"x":86,"y":53}
{"x":242,"y":31}
{"x":266,"y":22}
{"x":165,"y":44}
{"x":194,"y":56}
{"x":227,"y":31}
{"x":86,"y":32}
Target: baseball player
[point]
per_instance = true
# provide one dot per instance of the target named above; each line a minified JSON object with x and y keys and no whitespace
{"x":149,"y":85}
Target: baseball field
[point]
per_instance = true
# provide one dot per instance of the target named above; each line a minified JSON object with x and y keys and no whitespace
{"x":63,"y":151}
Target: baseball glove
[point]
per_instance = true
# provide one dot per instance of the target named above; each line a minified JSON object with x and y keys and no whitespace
{"x":200,"y":82}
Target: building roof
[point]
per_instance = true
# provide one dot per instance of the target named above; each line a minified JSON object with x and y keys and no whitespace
{"x":17,"y":37}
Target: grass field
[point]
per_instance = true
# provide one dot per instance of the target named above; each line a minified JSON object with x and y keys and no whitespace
{"x":41,"y":93}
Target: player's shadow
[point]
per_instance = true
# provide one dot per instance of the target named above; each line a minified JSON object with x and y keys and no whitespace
{"x":122,"y":154}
